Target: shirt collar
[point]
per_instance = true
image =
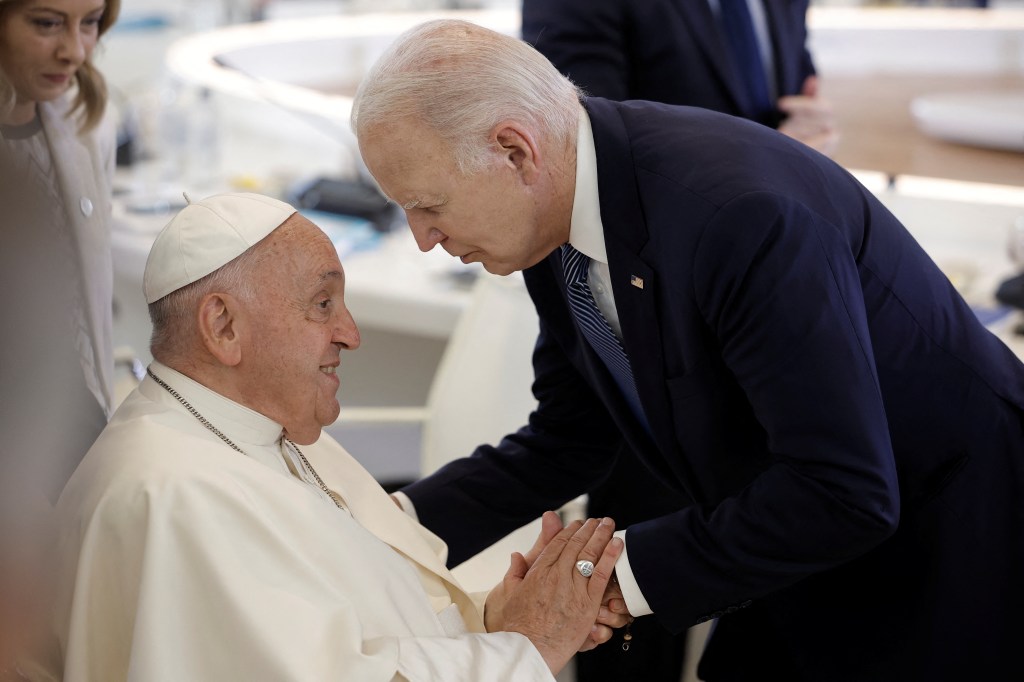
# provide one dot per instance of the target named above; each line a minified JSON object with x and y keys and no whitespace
{"x":586,"y":231}
{"x":236,"y":421}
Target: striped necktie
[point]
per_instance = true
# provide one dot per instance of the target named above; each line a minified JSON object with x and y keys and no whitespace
{"x":739,"y":29}
{"x":595,"y":327}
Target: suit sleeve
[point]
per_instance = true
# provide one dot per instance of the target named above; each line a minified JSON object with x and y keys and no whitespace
{"x":780,"y":291}
{"x":796,"y":64}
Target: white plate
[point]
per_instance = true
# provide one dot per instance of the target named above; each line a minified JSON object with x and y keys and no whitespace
{"x":984,"y":119}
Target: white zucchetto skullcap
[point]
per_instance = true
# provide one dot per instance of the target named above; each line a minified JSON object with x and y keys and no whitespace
{"x":206,"y":235}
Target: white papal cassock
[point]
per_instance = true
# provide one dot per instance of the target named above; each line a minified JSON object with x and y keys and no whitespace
{"x":182,"y":559}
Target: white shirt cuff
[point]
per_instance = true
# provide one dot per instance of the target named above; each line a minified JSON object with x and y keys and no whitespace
{"x":635,"y":601}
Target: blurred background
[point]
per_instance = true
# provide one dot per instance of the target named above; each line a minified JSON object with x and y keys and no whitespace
{"x":254,"y":95}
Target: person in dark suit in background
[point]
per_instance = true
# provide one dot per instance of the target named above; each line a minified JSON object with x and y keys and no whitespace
{"x":746,"y":58}
{"x":759,"y":330}
{"x":677,"y":52}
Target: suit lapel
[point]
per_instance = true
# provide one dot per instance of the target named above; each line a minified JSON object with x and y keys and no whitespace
{"x":634,"y":283}
{"x":641,"y":337}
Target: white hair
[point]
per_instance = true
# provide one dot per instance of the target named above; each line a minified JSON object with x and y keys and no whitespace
{"x":174,"y":317}
{"x":460,"y":80}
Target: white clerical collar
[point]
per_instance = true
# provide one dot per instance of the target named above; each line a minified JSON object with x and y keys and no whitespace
{"x":237,"y":422}
{"x":586,"y":232}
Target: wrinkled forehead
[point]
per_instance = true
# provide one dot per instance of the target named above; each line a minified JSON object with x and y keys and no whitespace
{"x":404,"y":140}
{"x":299,"y":238}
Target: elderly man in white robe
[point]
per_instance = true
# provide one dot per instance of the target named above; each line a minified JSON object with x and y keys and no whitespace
{"x":214,"y":533}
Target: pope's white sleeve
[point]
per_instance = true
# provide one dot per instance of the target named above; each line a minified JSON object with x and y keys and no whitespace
{"x":205,"y":581}
{"x":472,"y":658}
{"x":406,"y":504}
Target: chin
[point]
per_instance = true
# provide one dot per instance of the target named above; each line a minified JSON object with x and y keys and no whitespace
{"x":498,"y":269}
{"x":305,"y":438}
{"x":306,"y":434}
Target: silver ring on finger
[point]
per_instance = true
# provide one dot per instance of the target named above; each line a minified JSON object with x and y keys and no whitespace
{"x":586,"y":568}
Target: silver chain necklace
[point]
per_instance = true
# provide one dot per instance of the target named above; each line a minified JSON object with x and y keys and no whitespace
{"x":205,"y":422}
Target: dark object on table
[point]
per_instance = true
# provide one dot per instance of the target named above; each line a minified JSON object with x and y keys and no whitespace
{"x":345,"y":197}
{"x":1011,"y":291}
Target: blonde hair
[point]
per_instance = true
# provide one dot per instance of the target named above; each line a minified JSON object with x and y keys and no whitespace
{"x":91,"y":95}
{"x":461,"y":80}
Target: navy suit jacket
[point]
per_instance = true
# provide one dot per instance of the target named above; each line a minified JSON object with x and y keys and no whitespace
{"x":851,"y":437}
{"x":671,"y":51}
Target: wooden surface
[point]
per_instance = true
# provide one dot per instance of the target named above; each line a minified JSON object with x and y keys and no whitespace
{"x":878,"y":130}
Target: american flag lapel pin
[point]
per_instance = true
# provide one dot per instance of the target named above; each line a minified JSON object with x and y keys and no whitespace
{"x":638,"y":282}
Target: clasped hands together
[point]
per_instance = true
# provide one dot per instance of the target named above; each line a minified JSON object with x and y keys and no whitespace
{"x":546,"y":598}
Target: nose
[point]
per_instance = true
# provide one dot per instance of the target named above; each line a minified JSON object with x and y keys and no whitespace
{"x":426,"y":236}
{"x":72,"y":46}
{"x":346,"y":333}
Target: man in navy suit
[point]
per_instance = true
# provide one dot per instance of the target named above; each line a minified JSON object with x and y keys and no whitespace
{"x":677,"y":52}
{"x":849,"y":437}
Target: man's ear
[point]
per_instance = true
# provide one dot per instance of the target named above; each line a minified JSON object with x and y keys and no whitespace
{"x":220,"y":327}
{"x":519,"y":148}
